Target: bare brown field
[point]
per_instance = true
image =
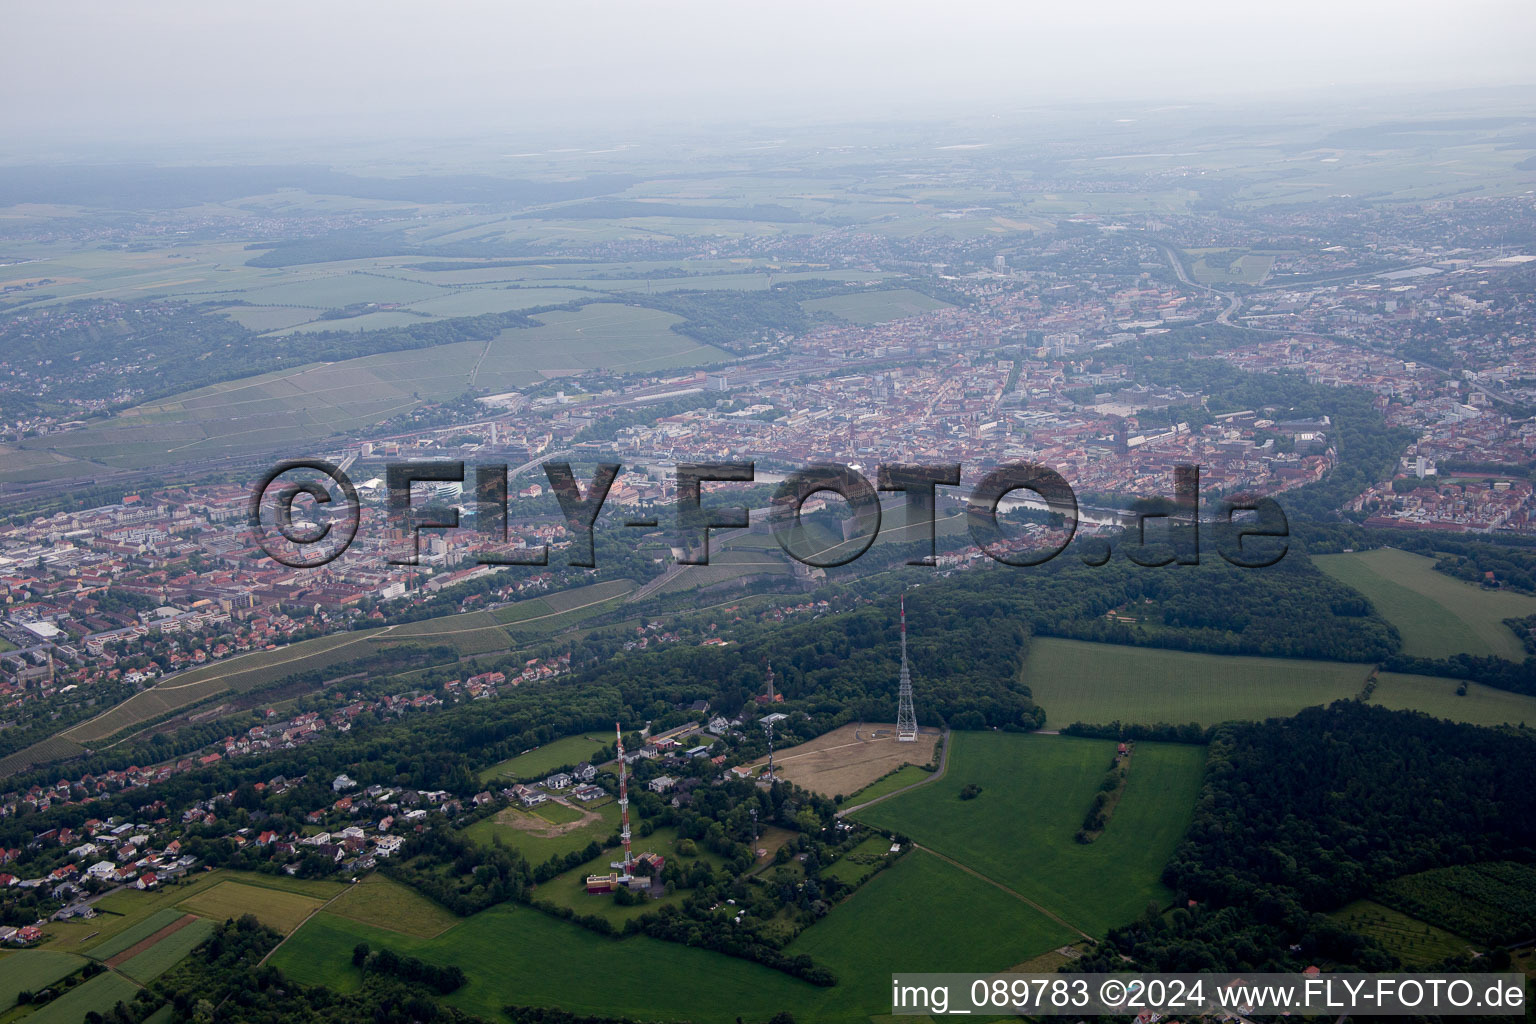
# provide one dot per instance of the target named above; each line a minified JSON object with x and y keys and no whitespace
{"x":852,"y":756}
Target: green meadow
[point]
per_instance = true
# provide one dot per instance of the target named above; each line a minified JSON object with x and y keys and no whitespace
{"x":1035,"y":790}
{"x":1436,"y":614}
{"x":1098,"y":683}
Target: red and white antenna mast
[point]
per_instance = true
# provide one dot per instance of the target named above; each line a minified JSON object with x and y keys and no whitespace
{"x":623,"y":803}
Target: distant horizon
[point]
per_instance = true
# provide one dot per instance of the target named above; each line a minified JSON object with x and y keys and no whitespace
{"x":174,"y":73}
{"x":342,"y":141}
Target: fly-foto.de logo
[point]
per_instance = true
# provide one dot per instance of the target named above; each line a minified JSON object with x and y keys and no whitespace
{"x":306,"y":512}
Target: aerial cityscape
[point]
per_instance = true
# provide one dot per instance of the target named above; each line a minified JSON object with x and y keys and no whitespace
{"x":745,"y":554}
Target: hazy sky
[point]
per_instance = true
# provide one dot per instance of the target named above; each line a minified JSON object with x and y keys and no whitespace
{"x":178,"y":68}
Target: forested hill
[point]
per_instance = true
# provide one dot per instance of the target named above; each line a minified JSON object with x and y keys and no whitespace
{"x":1323,"y":804}
{"x":1300,"y":816}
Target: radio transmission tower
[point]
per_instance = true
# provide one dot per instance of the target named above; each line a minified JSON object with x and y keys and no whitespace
{"x":628,"y":862}
{"x":906,"y":714}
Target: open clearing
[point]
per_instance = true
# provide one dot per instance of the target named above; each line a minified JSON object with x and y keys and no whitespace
{"x":850,"y":757}
{"x":1035,"y":789}
{"x":1415,"y":942}
{"x":537,"y":839}
{"x":30,"y":970}
{"x":283,"y":911}
{"x":1482,"y":705}
{"x":385,"y":903}
{"x":1075,"y":681}
{"x":1436,"y":614}
{"x":539,"y":762}
{"x":874,"y":307}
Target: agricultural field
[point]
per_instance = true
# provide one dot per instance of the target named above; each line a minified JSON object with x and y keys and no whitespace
{"x":955,"y":922}
{"x":54,"y":748}
{"x":100,"y":994}
{"x":560,"y":602}
{"x":241,"y":673}
{"x":539,"y":762}
{"x":869,"y":306}
{"x":1481,"y":705}
{"x":850,"y":757}
{"x":279,"y":910}
{"x":907,"y":775}
{"x":1417,"y":944}
{"x":1075,"y":681}
{"x":130,"y":937}
{"x":725,"y":566}
{"x":166,"y":952}
{"x":1493,"y":903}
{"x":124,"y":917}
{"x":517,"y":955}
{"x":383,"y":903}
{"x":468,"y":633}
{"x":1035,"y":789}
{"x":514,"y":954}
{"x":31,"y":970}
{"x":294,"y":406}
{"x":602,"y":335}
{"x":1437,"y":615}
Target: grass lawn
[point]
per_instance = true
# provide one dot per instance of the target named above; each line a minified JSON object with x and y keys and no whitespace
{"x":31,"y":970}
{"x":1076,"y":681}
{"x":558,"y":814}
{"x":568,"y":889}
{"x":1482,"y":705}
{"x":1035,"y":791}
{"x":384,"y":903}
{"x":1436,"y":614}
{"x":283,"y":911}
{"x":904,"y":776}
{"x":1416,"y":943}
{"x":533,"y":837}
{"x":167,"y":953}
{"x":539,"y":762}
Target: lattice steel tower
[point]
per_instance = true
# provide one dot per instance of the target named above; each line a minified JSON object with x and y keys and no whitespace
{"x":906,"y":715}
{"x":628,"y":863}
